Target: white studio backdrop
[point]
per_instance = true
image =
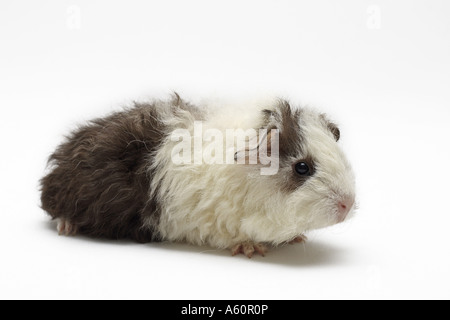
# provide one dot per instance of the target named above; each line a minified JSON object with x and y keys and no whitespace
{"x":380,"y":68}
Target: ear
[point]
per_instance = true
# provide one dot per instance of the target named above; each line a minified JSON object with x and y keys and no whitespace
{"x":332,"y":127}
{"x":334,"y":130}
{"x":254,"y":149}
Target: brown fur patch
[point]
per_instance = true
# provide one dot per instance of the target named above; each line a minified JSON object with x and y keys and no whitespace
{"x":100,"y":181}
{"x":287,"y":120}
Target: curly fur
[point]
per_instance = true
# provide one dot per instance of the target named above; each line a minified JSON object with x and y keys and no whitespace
{"x":114,"y":178}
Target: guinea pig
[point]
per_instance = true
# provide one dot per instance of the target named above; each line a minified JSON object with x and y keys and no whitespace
{"x":134,"y":174}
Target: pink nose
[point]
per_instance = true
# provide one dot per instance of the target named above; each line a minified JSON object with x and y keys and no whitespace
{"x":344,"y":207}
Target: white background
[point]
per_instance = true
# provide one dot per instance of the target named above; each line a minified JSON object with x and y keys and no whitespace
{"x":381,"y":69}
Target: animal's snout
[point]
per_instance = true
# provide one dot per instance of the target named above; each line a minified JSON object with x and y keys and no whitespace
{"x":345,"y":204}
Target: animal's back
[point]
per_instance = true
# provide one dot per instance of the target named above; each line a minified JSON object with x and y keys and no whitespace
{"x":99,"y":179}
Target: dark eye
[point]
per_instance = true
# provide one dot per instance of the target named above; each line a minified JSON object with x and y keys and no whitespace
{"x":302,"y":168}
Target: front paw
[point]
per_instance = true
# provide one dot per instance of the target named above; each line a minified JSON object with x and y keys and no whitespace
{"x":249,"y":248}
{"x":299,"y":239}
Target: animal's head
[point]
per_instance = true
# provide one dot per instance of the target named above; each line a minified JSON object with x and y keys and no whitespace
{"x":314,"y":186}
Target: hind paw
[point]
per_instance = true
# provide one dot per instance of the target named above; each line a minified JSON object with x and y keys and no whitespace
{"x":64,"y":227}
{"x":249,"y":248}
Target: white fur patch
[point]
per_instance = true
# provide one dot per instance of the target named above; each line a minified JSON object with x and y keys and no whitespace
{"x":224,"y":205}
